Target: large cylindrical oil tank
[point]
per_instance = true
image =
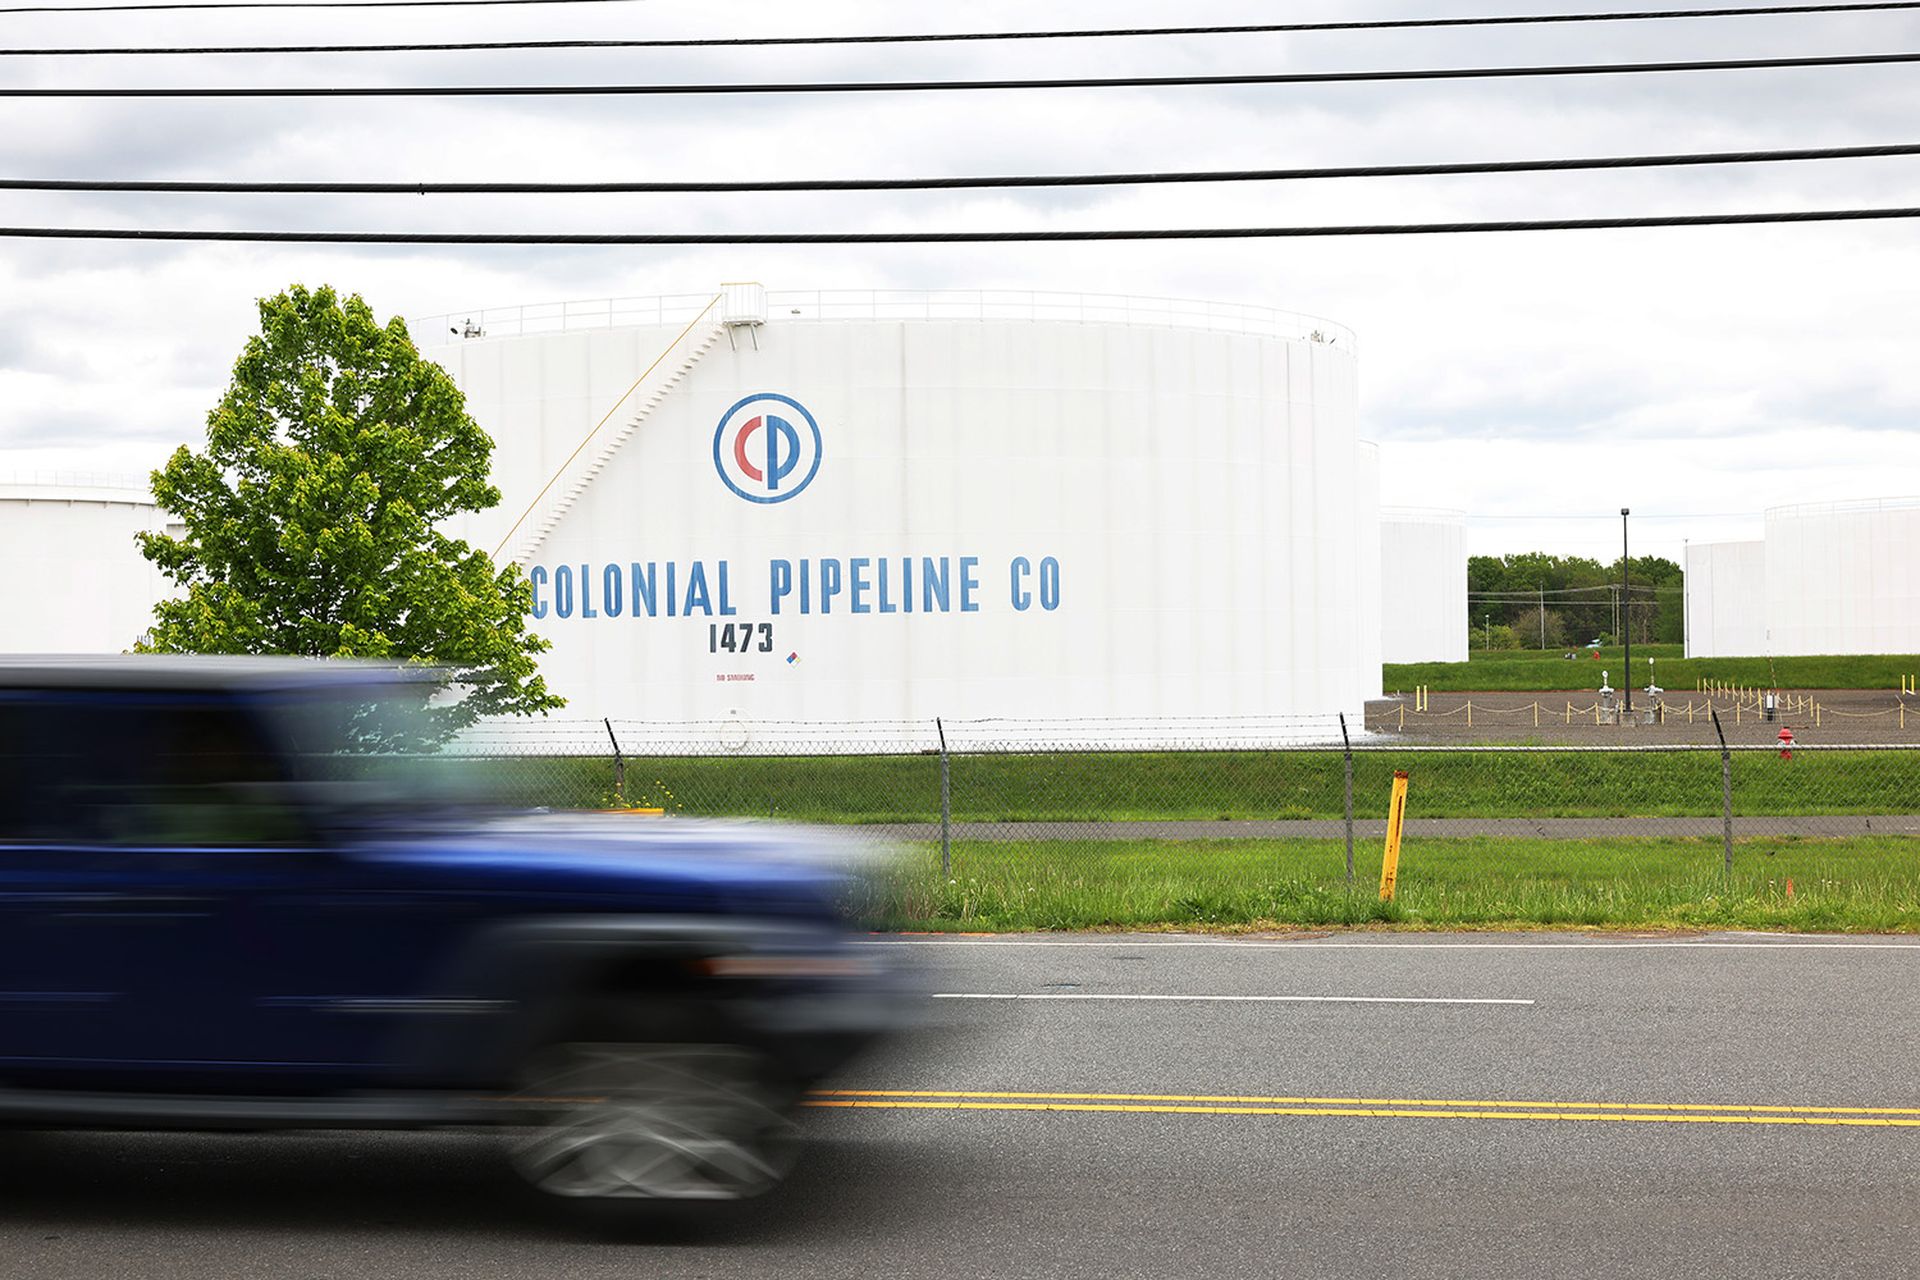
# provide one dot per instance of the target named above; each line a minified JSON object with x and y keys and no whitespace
{"x":1423,"y":580}
{"x":1840,"y":577}
{"x":1366,"y":529}
{"x":756,"y":508}
{"x":1726,"y":592}
{"x":70,"y":573}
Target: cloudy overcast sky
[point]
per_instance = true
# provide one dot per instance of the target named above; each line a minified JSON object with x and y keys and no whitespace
{"x":1538,"y":381}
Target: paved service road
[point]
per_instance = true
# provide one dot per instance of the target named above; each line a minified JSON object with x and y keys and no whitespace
{"x":1493,"y":1105}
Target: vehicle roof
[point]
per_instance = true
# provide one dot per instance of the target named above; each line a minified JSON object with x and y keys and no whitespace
{"x":196,"y":671}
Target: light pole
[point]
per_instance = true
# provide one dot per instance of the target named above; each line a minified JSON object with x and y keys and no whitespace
{"x":1487,"y":618}
{"x":1626,"y":610}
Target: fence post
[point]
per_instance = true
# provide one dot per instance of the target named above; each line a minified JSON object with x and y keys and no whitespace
{"x":946,"y":806}
{"x":1346,"y":745}
{"x":1726,"y":793}
{"x":619,"y":765}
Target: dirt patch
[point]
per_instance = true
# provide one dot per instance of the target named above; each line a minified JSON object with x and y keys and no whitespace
{"x":1816,"y":716}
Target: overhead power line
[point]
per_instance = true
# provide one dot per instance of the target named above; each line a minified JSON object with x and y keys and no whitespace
{"x":947,"y":237}
{"x":1522,"y":594}
{"x":283,"y":4}
{"x":951,"y":183}
{"x":925,"y":86}
{"x":952,"y":37}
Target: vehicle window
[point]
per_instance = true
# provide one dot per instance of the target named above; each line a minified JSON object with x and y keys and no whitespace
{"x":136,"y":770}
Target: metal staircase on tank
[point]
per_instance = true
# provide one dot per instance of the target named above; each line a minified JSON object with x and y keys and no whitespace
{"x":591,"y":456}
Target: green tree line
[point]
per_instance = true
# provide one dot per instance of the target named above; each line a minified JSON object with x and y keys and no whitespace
{"x":1538,"y":601}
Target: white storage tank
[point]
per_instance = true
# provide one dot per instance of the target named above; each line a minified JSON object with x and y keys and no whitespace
{"x":70,"y":573}
{"x":1366,"y":527}
{"x":1841,"y":577}
{"x":1726,"y":593}
{"x":1423,"y":580}
{"x":752,"y":507}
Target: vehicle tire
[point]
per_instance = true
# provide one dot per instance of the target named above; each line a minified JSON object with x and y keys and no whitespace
{"x":625,"y":1121}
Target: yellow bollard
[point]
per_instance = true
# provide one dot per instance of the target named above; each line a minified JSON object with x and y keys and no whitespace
{"x":1396,"y":818}
{"x":1816,"y":715}
{"x":1569,"y":713}
{"x":1536,"y":715}
{"x":1403,"y":715}
{"x":1469,"y":713}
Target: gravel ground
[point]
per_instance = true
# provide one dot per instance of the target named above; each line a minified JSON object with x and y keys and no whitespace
{"x":1846,"y":716}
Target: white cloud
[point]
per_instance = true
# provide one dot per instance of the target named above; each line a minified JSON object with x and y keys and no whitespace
{"x":1687,"y":372}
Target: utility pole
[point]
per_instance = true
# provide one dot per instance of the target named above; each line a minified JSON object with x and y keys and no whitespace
{"x":1626,"y":611}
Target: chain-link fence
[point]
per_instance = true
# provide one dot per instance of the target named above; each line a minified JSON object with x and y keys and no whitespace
{"x":1242,"y":825}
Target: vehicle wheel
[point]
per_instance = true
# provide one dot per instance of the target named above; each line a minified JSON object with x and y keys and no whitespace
{"x":658,"y":1122}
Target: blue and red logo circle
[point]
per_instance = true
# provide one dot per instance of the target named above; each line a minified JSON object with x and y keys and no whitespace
{"x":767,"y":448}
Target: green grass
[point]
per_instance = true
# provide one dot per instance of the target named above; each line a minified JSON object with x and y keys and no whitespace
{"x":1861,"y":884}
{"x":1529,"y":669}
{"x":1122,"y":786}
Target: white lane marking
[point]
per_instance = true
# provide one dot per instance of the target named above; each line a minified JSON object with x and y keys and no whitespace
{"x":1094,"y":995}
{"x":1334,"y":945}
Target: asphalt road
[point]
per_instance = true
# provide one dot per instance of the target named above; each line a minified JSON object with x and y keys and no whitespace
{"x":1440,"y":1106}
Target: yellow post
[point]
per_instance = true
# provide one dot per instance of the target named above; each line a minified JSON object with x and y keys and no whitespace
{"x":1816,"y":715}
{"x":1396,"y":818}
{"x":1469,"y":713}
{"x":1536,"y":715}
{"x":1403,"y":715}
{"x":1569,"y":713}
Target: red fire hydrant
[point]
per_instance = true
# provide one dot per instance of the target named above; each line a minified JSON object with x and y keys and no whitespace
{"x":1786,"y":743}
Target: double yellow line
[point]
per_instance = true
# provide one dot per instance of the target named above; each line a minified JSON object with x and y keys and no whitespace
{"x":1391,"y":1108}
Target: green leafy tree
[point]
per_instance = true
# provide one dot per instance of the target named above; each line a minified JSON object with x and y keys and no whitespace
{"x":1552,"y":601}
{"x":311,"y":515}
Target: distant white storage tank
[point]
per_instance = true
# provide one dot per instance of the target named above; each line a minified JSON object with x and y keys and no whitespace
{"x":1726,"y":594}
{"x":1423,"y":580}
{"x":1844,"y":577}
{"x":751,"y":507}
{"x":72,"y":579}
{"x":1366,"y":525}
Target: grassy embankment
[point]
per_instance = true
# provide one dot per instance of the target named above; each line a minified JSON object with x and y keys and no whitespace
{"x":1523,"y":670}
{"x":1861,"y":883}
{"x":1173,"y":786}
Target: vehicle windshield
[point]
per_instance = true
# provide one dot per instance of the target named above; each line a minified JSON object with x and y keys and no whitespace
{"x":373,"y":750}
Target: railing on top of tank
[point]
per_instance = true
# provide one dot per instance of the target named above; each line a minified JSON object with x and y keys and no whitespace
{"x":1849,"y":507}
{"x":76,"y":479}
{"x":892,"y":304}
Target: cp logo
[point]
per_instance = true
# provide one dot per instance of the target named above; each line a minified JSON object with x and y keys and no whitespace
{"x":767,"y":448}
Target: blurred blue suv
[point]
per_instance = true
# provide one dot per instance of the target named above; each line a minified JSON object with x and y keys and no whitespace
{"x":235,"y":893}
